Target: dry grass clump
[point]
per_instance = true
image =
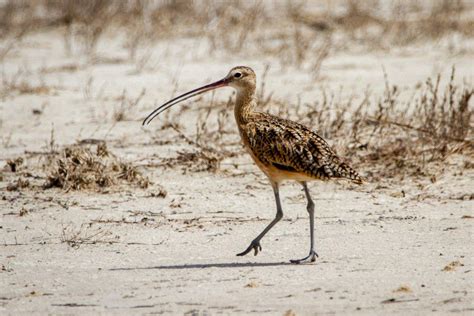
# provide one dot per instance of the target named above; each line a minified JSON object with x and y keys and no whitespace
{"x":452,"y":266}
{"x":413,"y":138}
{"x":18,"y":84}
{"x":79,"y":168}
{"x":207,"y":153}
{"x":75,"y":236}
{"x":196,"y":161}
{"x":403,"y":289}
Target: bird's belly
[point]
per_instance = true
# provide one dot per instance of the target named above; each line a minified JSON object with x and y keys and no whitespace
{"x":278,"y":175}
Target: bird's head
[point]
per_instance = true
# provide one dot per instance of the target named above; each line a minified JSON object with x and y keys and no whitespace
{"x":241,"y":78}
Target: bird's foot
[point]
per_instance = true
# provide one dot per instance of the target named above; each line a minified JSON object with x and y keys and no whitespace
{"x":255,"y":245}
{"x":309,"y":258}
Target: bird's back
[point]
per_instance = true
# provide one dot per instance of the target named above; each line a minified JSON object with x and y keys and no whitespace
{"x":284,"y":149}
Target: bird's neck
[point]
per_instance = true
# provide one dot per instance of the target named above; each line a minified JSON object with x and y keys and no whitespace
{"x":245,"y":104}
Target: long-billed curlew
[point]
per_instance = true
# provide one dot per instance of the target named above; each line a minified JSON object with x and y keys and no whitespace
{"x":282,"y":149}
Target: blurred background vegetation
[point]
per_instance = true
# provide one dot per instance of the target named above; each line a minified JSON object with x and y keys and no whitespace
{"x":299,"y":33}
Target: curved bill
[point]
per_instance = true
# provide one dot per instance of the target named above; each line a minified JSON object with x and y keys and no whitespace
{"x":221,"y":83}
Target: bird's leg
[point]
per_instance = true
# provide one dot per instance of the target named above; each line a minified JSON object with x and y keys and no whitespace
{"x":310,"y":207}
{"x":255,"y":244}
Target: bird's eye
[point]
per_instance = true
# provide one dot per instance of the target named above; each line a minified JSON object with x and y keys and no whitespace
{"x":237,"y":75}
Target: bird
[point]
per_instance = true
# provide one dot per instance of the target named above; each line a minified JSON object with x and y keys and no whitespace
{"x":281,"y":148}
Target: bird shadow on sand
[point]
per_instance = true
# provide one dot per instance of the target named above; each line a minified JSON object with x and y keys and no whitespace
{"x":207,"y":265}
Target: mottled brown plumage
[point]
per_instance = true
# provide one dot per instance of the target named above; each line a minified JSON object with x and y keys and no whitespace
{"x":293,"y":149}
{"x":282,"y":149}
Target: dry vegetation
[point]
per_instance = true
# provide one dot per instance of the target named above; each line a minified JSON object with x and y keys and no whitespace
{"x":299,"y":33}
{"x":86,"y":234}
{"x":410,"y":138}
{"x":78,"y":167}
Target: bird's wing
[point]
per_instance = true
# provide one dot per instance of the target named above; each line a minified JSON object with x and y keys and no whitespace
{"x":293,"y":147}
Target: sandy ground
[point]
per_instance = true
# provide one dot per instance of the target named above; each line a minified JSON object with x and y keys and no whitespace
{"x":380,"y":251}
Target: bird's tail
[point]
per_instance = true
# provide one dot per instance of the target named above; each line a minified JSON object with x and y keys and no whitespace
{"x":343,"y":170}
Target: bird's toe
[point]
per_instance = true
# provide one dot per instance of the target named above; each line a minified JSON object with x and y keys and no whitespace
{"x":311,"y":257}
{"x":255,"y":245}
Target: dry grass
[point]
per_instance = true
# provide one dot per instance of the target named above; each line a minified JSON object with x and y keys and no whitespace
{"x":405,"y":22}
{"x":15,"y":164}
{"x":416,"y":137}
{"x":452,"y":266}
{"x":403,"y":289}
{"x":207,"y":152}
{"x":86,"y":234}
{"x":126,"y":105}
{"x":80,"y":168}
{"x":444,"y":17}
{"x":18,"y":84}
{"x":19,"y":184}
{"x":294,"y":32}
